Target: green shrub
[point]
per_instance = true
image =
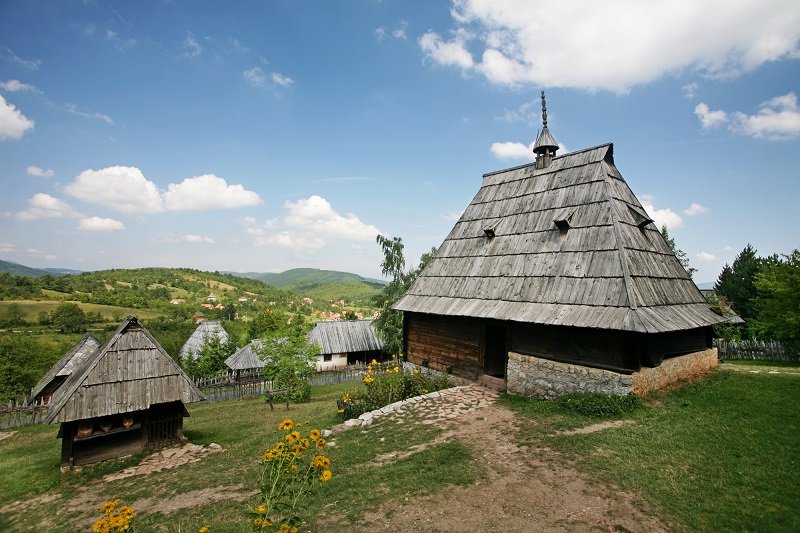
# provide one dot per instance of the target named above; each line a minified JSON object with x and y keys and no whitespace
{"x":598,"y":405}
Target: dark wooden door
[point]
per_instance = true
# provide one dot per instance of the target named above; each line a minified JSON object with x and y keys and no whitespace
{"x":495,"y":355}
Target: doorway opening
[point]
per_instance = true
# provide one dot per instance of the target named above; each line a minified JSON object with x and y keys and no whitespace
{"x":495,"y":351}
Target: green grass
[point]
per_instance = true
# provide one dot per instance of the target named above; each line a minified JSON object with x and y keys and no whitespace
{"x":32,"y":308}
{"x":29,"y":467}
{"x":720,"y":455}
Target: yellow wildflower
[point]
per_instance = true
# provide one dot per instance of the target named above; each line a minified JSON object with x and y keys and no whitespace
{"x":284,"y":528}
{"x":204,"y":529}
{"x":396,"y":369}
{"x":340,"y":411}
{"x":326,"y":475}
{"x":305,"y":444}
{"x":320,"y":462}
{"x":373,"y":362}
{"x":258,"y":522}
{"x":261,"y":509}
{"x":286,"y":425}
{"x":293,"y":468}
{"x":314,"y":434}
{"x":368,"y":380}
{"x":321,"y":443}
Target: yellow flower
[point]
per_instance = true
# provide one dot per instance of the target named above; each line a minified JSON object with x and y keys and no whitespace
{"x":286,"y":425}
{"x":284,"y":528}
{"x":314,"y":434}
{"x":261,"y":509}
{"x":340,"y":411}
{"x":396,"y":369}
{"x":373,"y":362}
{"x":321,"y":443}
{"x":258,"y":522}
{"x":388,"y":370}
{"x":326,"y":475}
{"x":320,"y":462}
{"x":204,"y":529}
{"x":293,"y":530}
{"x":346,"y":397}
{"x":304,"y":443}
{"x":368,"y":380}
{"x":293,"y":468}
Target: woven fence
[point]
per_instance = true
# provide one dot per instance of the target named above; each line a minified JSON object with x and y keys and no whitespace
{"x":756,"y":350}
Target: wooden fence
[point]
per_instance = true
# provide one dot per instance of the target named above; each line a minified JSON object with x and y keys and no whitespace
{"x":14,"y":414}
{"x":755,"y":350}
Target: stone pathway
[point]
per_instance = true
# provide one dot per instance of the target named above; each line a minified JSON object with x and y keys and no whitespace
{"x":166,"y":459}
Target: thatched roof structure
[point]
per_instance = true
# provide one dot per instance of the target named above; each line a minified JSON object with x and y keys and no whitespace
{"x":66,"y":365}
{"x":567,"y":244}
{"x":130,"y":372}
{"x":345,"y":336}
{"x":247,"y":357}
{"x":205,"y":331}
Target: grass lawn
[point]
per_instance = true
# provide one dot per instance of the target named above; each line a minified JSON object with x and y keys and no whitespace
{"x":32,"y":308}
{"x":29,"y":468}
{"x":720,"y":455}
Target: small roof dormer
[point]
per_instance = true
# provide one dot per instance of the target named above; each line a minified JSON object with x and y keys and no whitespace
{"x":546,"y":145}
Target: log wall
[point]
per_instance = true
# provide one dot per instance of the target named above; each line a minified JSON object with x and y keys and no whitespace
{"x":444,"y":343}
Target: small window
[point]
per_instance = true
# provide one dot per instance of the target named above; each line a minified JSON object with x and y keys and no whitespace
{"x":327,"y":357}
{"x":489,"y":232}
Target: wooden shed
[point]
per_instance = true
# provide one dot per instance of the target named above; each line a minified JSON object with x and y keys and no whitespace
{"x":247,"y":358}
{"x":127,"y":395}
{"x":344,"y":342}
{"x":205,"y":331}
{"x":555,"y":268}
{"x":55,"y":377}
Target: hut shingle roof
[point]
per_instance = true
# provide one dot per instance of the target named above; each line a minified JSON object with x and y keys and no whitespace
{"x":247,"y":357}
{"x":130,"y":372}
{"x":571,"y":246}
{"x":206,"y":330}
{"x":345,"y":336}
{"x":68,"y":362}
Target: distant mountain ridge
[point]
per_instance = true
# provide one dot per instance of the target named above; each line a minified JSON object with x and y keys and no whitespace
{"x":320,"y":284}
{"x":21,"y":270}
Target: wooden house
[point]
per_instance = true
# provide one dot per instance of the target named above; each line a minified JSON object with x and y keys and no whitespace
{"x":127,"y":395}
{"x":555,"y":279}
{"x":246,"y":358}
{"x":205,"y":331}
{"x":345,"y":342}
{"x":55,"y":377}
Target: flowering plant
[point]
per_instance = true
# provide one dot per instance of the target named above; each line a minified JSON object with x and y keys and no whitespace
{"x":116,"y":517}
{"x":291,"y":468}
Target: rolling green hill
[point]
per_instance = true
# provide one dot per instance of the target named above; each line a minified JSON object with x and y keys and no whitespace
{"x":16,"y":269}
{"x":326,"y":285}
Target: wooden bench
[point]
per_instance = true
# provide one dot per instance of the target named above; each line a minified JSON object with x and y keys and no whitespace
{"x":270,"y":394}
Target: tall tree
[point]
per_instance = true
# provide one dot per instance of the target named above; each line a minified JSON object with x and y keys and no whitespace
{"x":736,"y":282}
{"x":778,"y":285}
{"x":69,"y":318}
{"x":683,"y":259}
{"x":389,"y":324}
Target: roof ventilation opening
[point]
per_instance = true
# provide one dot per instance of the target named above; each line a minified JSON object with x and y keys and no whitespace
{"x":489,"y":232}
{"x":546,"y":145}
{"x":562,"y":225}
{"x":640,"y":217}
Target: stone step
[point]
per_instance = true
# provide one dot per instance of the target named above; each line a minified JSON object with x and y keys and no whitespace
{"x":498,"y":384}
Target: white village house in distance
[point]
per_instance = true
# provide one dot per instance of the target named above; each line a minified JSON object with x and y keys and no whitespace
{"x":343,"y":342}
{"x":555,"y":280}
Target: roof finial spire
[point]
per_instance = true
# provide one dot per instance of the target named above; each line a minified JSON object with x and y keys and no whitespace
{"x":544,"y":111}
{"x":546,"y":145}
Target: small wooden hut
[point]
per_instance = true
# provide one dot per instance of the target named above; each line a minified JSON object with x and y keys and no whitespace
{"x":247,"y":358}
{"x":127,"y":395}
{"x":554,"y":280}
{"x":205,"y":331}
{"x":55,"y":377}
{"x":345,"y":342}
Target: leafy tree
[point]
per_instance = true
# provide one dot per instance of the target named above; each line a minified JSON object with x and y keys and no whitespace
{"x":778,"y":286}
{"x":683,"y":259}
{"x":69,"y":318}
{"x":22,"y":363}
{"x":14,"y":316}
{"x":290,"y":363}
{"x":43,"y":318}
{"x":736,"y":283}
{"x":211,"y":357}
{"x":389,"y":324}
{"x":268,"y":323}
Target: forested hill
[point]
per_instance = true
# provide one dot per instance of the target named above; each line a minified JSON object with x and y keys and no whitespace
{"x":21,"y":270}
{"x":144,"y":288}
{"x":327,"y":285}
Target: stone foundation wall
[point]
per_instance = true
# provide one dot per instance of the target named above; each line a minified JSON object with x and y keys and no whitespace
{"x":682,"y":368}
{"x":546,"y":379}
{"x":542,"y":378}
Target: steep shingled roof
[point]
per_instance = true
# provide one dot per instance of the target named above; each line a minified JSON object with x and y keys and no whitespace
{"x":345,"y":336}
{"x":570,"y":245}
{"x":206,"y":330}
{"x":130,"y":372}
{"x":68,"y":362}
{"x":247,"y":357}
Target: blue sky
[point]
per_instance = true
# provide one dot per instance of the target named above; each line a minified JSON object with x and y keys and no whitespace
{"x":263,"y":136}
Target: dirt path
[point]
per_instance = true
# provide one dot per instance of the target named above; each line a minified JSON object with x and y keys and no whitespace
{"x":525,"y":489}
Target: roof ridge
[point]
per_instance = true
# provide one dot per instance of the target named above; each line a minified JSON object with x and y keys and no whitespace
{"x":533,"y":163}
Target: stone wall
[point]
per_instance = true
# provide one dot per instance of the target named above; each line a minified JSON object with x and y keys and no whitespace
{"x":542,"y":378}
{"x":455,"y":380}
{"x":546,"y":379}
{"x":675,"y":369}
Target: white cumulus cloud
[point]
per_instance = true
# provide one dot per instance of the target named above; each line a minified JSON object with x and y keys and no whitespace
{"x":315,"y":214}
{"x":189,"y":238}
{"x":120,"y":188}
{"x":662,"y":217}
{"x":695,"y":209}
{"x":44,"y":206}
{"x":255,"y":77}
{"x":613,"y":45}
{"x":704,"y":256}
{"x":39,"y":172}
{"x":512,"y":150}
{"x":777,"y":119}
{"x":708,"y":118}
{"x":207,"y":192}
{"x":100,"y":224}
{"x":13,"y":124}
